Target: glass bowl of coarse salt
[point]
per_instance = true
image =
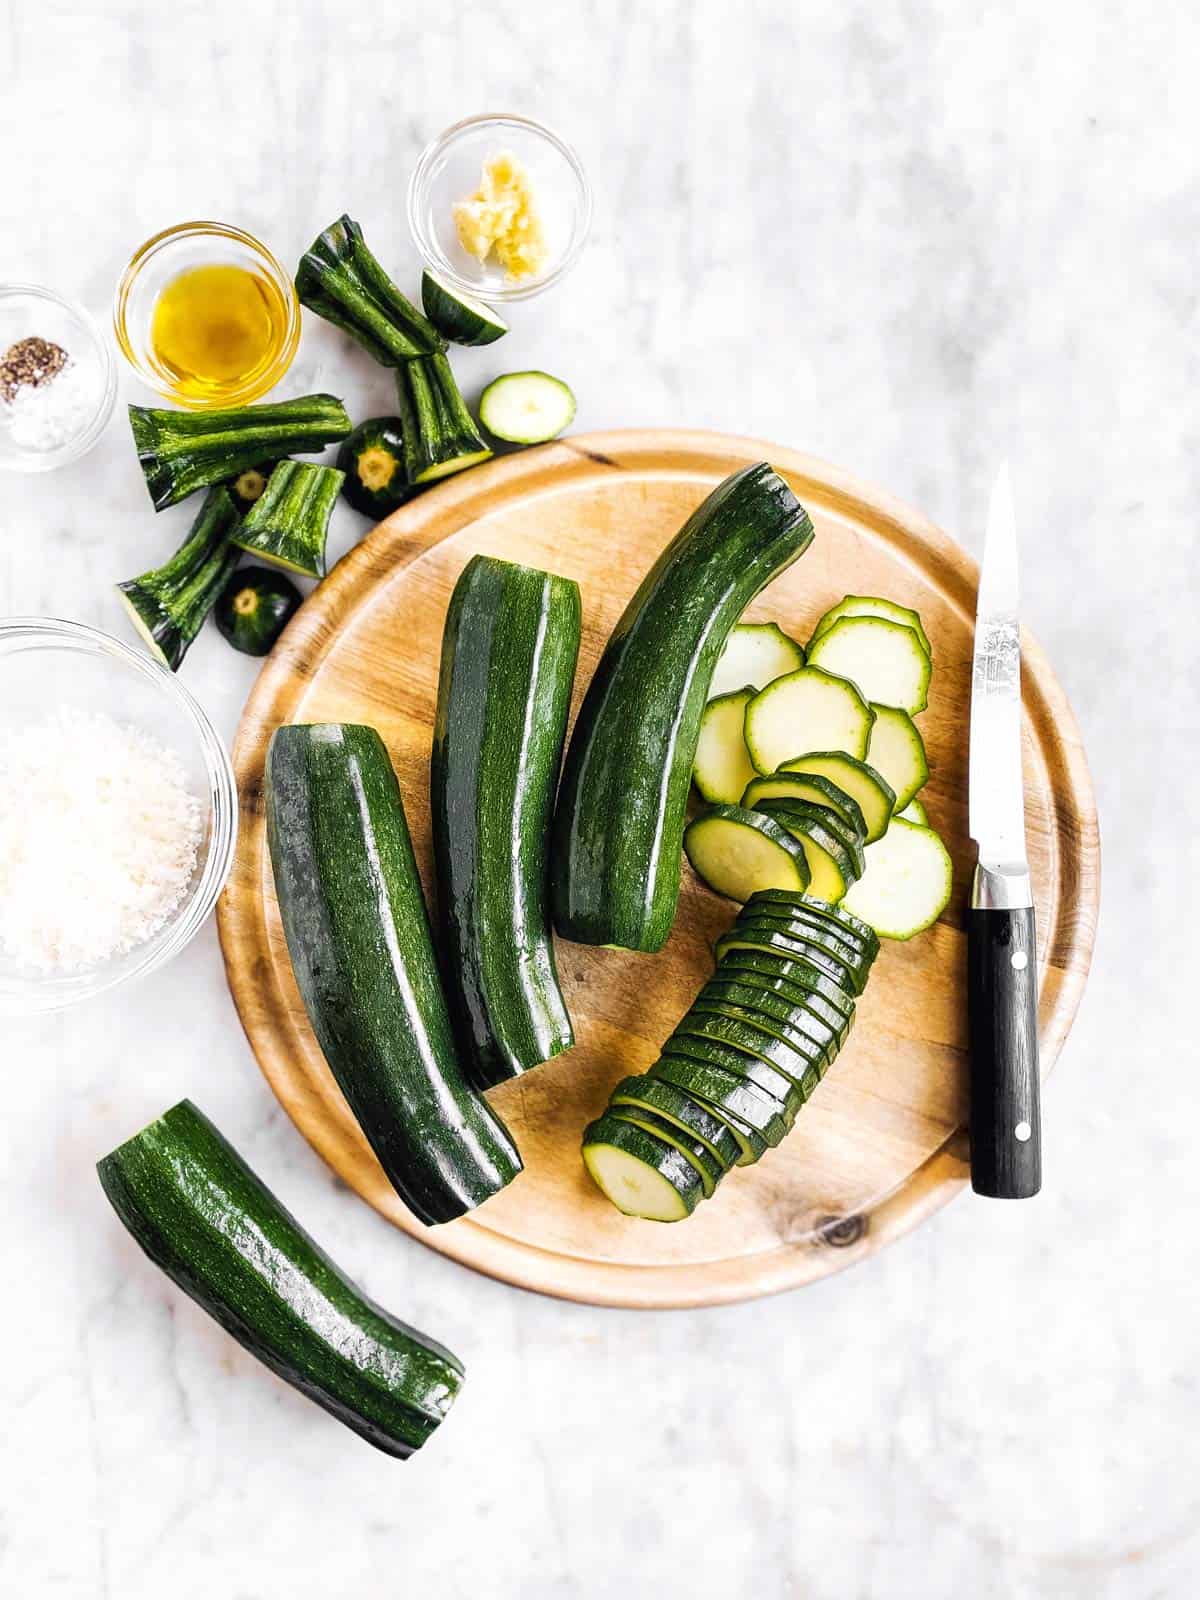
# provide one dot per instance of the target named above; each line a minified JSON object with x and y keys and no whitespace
{"x":118,"y":814}
{"x":58,"y":380}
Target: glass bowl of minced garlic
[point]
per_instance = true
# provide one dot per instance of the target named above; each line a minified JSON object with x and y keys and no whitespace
{"x":499,"y":206}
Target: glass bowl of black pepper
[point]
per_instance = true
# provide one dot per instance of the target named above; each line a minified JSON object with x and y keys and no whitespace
{"x":58,"y":380}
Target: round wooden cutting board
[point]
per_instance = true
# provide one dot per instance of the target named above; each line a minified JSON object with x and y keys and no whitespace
{"x":882,"y":1144}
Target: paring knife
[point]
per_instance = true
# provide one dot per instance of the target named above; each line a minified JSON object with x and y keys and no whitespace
{"x":1006,"y":1128}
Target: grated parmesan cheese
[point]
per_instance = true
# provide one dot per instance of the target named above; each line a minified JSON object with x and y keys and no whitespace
{"x":99,"y":836}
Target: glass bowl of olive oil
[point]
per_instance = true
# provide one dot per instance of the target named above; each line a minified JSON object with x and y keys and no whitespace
{"x":207,"y":316}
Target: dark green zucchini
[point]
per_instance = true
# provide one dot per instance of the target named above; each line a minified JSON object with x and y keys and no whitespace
{"x":692,"y":1118}
{"x":169,"y":604}
{"x":440,"y":436}
{"x":727,"y":1090}
{"x":254,"y":608}
{"x":807,"y":923}
{"x":508,"y":661}
{"x":786,"y":974}
{"x":216,"y":1230}
{"x":357,"y":930}
{"x":247,"y":485}
{"x":289,"y":522}
{"x":457,"y":316}
{"x":794,"y":947}
{"x":793,"y":1024}
{"x":710,"y":1169}
{"x":798,"y":1062}
{"x":744,"y":1064}
{"x":182,"y":451}
{"x":372,"y":458}
{"x":773,"y":1004}
{"x":642,"y":1175}
{"x":837,"y":916}
{"x":342,"y":282}
{"x":623,"y":799}
{"x":851,"y":955}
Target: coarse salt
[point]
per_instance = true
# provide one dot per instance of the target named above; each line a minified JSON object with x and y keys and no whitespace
{"x":99,"y":837}
{"x":48,"y":415}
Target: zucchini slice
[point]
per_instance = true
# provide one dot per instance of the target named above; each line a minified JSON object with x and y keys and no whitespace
{"x":737,"y":852}
{"x":773,"y":1009}
{"x":358,"y":934}
{"x":832,"y":865}
{"x":792,"y":978}
{"x":711,"y":1171}
{"x":457,"y":316}
{"x":168,"y":605}
{"x":289,"y":522}
{"x":756,"y":653}
{"x":811,"y":788}
{"x":723,"y":767}
{"x":796,"y":948}
{"x":526,"y":407}
{"x":724,"y":1078}
{"x":794,"y":1026}
{"x":799,"y":925}
{"x":751,"y":1144}
{"x":907,"y":884}
{"x":788,"y":811}
{"x":874,"y":795}
{"x":342,"y":282}
{"x":896,"y":751}
{"x":182,"y":451}
{"x":690,"y":1116}
{"x":914,"y":811}
{"x":870,"y":605}
{"x":642,"y":1175}
{"x":842,"y":922}
{"x":440,"y":436}
{"x":884,"y":660}
{"x":216,"y":1230}
{"x":372,"y":457}
{"x":623,"y":800}
{"x":508,"y":661}
{"x":806,"y":710}
{"x":700,"y":1037}
{"x":255,"y":607}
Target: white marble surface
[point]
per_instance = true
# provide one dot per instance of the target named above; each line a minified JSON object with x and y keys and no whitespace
{"x":909,"y":237}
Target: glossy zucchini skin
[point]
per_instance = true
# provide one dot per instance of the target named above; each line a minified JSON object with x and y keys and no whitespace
{"x":508,"y":662}
{"x":372,"y":458}
{"x":357,"y":930}
{"x":837,"y":916}
{"x":289,"y":522}
{"x":340,"y":279}
{"x":440,"y":436}
{"x":623,"y":799}
{"x":255,"y":607}
{"x":169,"y":604}
{"x":201,"y":1214}
{"x":182,"y":451}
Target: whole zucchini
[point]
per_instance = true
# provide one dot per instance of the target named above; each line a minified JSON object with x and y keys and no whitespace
{"x":508,"y":661}
{"x":623,"y":799}
{"x":216,"y":1230}
{"x":357,"y":930}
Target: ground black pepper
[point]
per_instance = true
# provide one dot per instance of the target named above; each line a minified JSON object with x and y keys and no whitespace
{"x":28,"y":364}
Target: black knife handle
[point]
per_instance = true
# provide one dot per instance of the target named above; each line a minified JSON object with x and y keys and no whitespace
{"x":1006,"y":1118}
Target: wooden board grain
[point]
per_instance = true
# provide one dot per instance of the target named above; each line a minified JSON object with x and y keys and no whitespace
{"x":882,"y":1144}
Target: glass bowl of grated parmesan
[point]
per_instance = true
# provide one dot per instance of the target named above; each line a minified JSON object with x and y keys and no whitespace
{"x":118,"y":814}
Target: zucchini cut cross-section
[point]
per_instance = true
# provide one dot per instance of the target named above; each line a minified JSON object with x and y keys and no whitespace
{"x":738,"y":852}
{"x":711,"y":1171}
{"x":812,"y":789}
{"x":526,"y":407}
{"x":690,"y":1116}
{"x":811,"y":709}
{"x":835,"y":859}
{"x":723,"y":767}
{"x":907,"y":884}
{"x":201,"y":1214}
{"x":792,"y":947}
{"x":885,"y":660}
{"x":756,"y":653}
{"x":869,"y":605}
{"x":874,"y":795}
{"x":642,"y":1175}
{"x":897,"y":752}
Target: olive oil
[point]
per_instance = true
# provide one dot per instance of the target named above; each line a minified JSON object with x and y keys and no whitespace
{"x":213,"y":328}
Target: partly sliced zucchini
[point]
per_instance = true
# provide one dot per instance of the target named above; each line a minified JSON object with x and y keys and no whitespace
{"x":341,"y":280}
{"x":689,"y":1040}
{"x":690,"y":1116}
{"x":725,"y":1079}
{"x":752,"y":1144}
{"x":737,"y":852}
{"x":806,"y":710}
{"x":642,"y":1175}
{"x":168,"y":605}
{"x":914,"y":811}
{"x":526,"y":407}
{"x":255,"y":607}
{"x":798,"y":1067}
{"x":773,"y":1007}
{"x":896,"y":750}
{"x":289,"y":523}
{"x":216,"y":1230}
{"x":907,"y":884}
{"x":756,"y":653}
{"x":791,"y":977}
{"x":874,"y":795}
{"x":793,"y":947}
{"x":723,"y":767}
{"x":843,"y":923}
{"x":457,"y":316}
{"x":440,"y":436}
{"x":869,"y":605}
{"x":788,"y":811}
{"x":885,"y":660}
{"x":832,"y":867}
{"x":711,"y":1171}
{"x":791,"y":1025}
{"x":811,"y":788}
{"x":373,"y":460}
{"x":796,"y":925}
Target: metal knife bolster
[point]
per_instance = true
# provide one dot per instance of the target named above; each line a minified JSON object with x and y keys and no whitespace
{"x":1005,"y":887}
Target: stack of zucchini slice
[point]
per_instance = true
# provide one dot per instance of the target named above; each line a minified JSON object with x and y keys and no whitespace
{"x":755,"y":1043}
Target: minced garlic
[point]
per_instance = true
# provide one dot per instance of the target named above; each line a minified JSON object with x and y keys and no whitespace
{"x":501,"y":219}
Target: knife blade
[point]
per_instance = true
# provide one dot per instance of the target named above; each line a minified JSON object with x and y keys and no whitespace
{"x":1005,"y":1114}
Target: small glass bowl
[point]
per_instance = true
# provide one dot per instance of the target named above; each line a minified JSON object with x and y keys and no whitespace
{"x":449,"y":169}
{"x":164,"y":257}
{"x":27,"y":311}
{"x":46,"y":664}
